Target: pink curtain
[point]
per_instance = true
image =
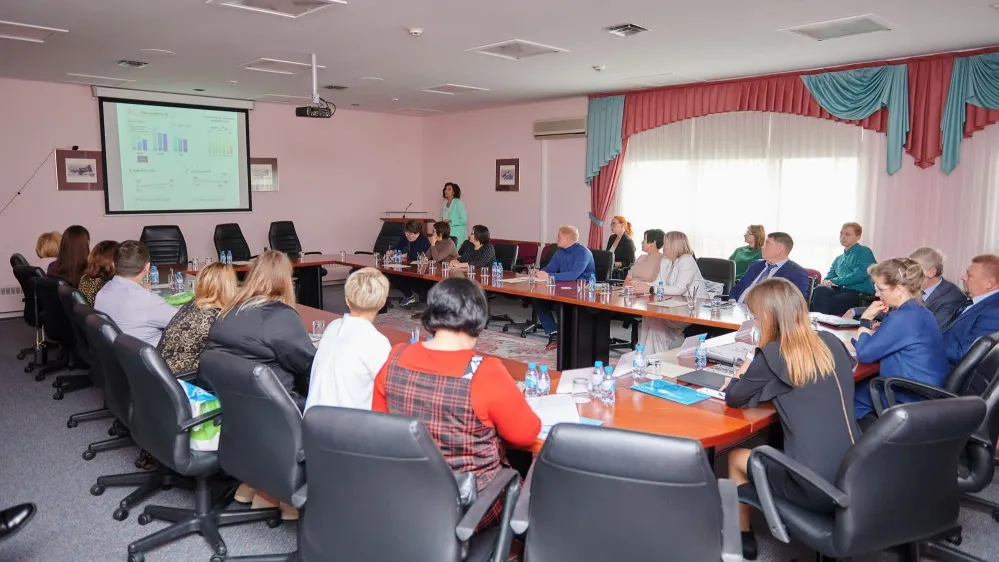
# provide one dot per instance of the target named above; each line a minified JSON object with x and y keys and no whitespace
{"x":602,"y":191}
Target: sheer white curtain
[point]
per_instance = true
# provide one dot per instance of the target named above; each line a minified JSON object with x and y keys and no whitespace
{"x":712,"y":176}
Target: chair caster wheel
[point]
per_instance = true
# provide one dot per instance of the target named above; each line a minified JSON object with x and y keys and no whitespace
{"x":97,"y":489}
{"x":39,"y":377}
{"x":21,"y":355}
{"x":216,"y":558}
{"x":221,"y":550}
{"x":137,"y":557}
{"x":144,"y":519}
{"x":995,"y":515}
{"x":55,"y":384}
{"x":274,"y":523}
{"x":89,"y":455}
{"x":120,"y":514}
{"x":506,"y":329}
{"x":58,"y":395}
{"x":166,"y":487}
{"x":112,"y":432}
{"x":72,"y":423}
{"x":955,"y":539}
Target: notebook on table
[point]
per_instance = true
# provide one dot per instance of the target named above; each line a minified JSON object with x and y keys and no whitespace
{"x":707,"y":378}
{"x":832,"y":320}
{"x":673,"y":392}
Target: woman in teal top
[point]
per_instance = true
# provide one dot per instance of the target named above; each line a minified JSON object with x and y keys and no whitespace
{"x":847,"y":281}
{"x":754,"y":237}
{"x":453,"y":212}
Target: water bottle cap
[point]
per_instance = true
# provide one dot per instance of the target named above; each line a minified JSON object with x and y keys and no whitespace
{"x":609,"y":370}
{"x":599,"y":364}
{"x":639,"y":347}
{"x":702,"y":337}
{"x":532,"y":365}
{"x":544,"y":368}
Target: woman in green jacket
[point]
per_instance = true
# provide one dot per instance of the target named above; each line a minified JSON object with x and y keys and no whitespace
{"x":453,"y":212}
{"x":754,"y":237}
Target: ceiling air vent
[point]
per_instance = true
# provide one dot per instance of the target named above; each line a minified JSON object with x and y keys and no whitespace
{"x":25,"y":32}
{"x":846,"y":27}
{"x":560,"y":128}
{"x":132,"y":64}
{"x":516,"y":49}
{"x":96,"y":80}
{"x":625,"y":29}
{"x":276,"y":66}
{"x":284,"y":8}
{"x":453,"y":89}
{"x":418,"y":111}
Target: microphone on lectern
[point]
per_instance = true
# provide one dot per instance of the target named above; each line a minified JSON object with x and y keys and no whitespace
{"x":407,"y":208}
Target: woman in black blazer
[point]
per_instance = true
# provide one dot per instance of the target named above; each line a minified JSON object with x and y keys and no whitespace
{"x":809,"y":378}
{"x":262,"y":325}
{"x":622,"y":245}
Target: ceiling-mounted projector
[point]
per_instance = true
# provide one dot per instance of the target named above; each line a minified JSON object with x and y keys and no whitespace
{"x":319,"y":108}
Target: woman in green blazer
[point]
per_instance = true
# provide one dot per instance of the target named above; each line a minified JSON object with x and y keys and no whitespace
{"x":453,"y":212}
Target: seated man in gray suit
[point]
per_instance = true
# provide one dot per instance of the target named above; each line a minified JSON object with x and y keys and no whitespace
{"x":940,"y":296}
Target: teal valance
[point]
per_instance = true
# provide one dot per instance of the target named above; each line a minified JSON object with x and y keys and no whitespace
{"x":973,"y":80}
{"x":856,"y":94}
{"x":603,"y":132}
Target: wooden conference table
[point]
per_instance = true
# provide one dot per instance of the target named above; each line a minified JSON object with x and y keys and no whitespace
{"x":583,"y":319}
{"x":711,"y":422}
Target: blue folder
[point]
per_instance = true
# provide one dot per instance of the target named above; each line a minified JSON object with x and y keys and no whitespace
{"x":663,"y":389}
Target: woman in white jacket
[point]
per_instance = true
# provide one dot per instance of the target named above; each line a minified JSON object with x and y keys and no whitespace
{"x":677,"y":272}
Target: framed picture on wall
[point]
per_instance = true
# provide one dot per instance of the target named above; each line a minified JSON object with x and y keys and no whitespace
{"x":508,"y":174}
{"x":263,"y":174}
{"x":79,"y":170}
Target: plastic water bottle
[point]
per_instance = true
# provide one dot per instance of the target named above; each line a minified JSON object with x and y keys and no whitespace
{"x":228,"y":257}
{"x":222,"y":257}
{"x":701,"y":353}
{"x":660,"y":292}
{"x":544,"y":382}
{"x":180,"y":281}
{"x":596,"y":378}
{"x":172,"y":280}
{"x":608,"y":386}
{"x":154,"y":276}
{"x":638,"y":364}
{"x":497,"y":271}
{"x":531,"y":380}
{"x":592,"y":285}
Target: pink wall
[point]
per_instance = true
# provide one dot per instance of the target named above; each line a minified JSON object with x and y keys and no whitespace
{"x":464,"y":147}
{"x":336,"y":175}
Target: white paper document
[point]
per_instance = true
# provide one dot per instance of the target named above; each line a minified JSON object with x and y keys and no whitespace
{"x":669,"y":303}
{"x":565,"y":382}
{"x":555,"y":408}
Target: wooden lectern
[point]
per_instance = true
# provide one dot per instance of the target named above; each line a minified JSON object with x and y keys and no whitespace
{"x":428,"y":223}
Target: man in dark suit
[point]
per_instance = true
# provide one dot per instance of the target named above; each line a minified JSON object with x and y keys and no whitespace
{"x":979,"y":315}
{"x":775,"y":263}
{"x":940,"y":296}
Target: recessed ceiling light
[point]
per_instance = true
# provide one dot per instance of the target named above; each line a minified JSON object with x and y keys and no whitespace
{"x":96,"y":80}
{"x":395,"y":99}
{"x":417,"y":111}
{"x":375,"y":78}
{"x":277,"y":66}
{"x":285,"y":8}
{"x":159,"y":52}
{"x":843,"y":27}
{"x":26,"y":32}
{"x":453,"y":89}
{"x":625,"y":29}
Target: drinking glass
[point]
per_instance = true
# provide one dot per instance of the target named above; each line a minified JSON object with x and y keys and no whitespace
{"x":691,"y":300}
{"x":414,"y":335}
{"x":580,"y":284}
{"x":318,"y":327}
{"x":531,"y":272}
{"x":551,"y":283}
{"x":343,"y":255}
{"x":581,"y":390}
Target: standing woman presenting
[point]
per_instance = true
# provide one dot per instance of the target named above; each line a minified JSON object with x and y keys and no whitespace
{"x":453,"y":212}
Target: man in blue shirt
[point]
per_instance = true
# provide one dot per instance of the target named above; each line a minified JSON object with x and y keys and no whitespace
{"x":979,"y":315}
{"x":413,"y":241}
{"x":572,"y":261}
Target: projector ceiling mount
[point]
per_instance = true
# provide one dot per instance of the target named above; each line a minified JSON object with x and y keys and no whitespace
{"x":319,"y":108}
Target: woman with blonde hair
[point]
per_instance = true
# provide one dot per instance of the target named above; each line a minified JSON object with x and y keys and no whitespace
{"x":754,"y":237}
{"x":185,"y":337}
{"x":100,"y":269}
{"x":47,"y":249}
{"x":907,"y":343}
{"x":808,"y":375}
{"x":262,"y":325}
{"x":622,"y":245}
{"x":679,"y":275}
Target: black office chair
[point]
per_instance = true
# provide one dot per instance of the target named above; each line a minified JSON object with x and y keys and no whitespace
{"x":80,"y":313}
{"x":603,"y":262}
{"x":283,"y":237}
{"x":69,"y":297}
{"x":379,"y":489}
{"x":257,"y":410}
{"x":166,"y":244}
{"x":26,"y":276}
{"x":102,"y":333}
{"x":229,"y":237}
{"x":506,"y":254}
{"x":719,"y":271}
{"x":650,"y":491}
{"x":18,"y":259}
{"x":56,"y":324}
{"x":387,"y":238}
{"x":532,"y":325}
{"x":897,"y":486}
{"x":161,"y":420}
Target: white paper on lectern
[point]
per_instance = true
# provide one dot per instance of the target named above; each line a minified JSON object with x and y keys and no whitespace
{"x":565,"y":382}
{"x":555,"y":408}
